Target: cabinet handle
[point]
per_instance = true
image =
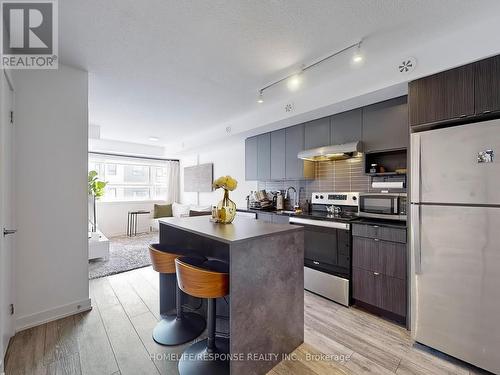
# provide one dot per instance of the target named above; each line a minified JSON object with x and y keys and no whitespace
{"x":462,"y":116}
{"x":485,"y":112}
{"x":376,"y":239}
{"x":375,"y":226}
{"x":376,"y":273}
{"x":316,"y":263}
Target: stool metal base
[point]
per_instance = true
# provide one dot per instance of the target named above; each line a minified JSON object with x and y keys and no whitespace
{"x":171,"y":331}
{"x":196,"y":360}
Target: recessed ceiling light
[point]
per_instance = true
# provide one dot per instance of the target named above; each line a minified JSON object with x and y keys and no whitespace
{"x":154,"y":139}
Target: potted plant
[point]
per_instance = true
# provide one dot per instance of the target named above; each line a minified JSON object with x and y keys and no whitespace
{"x":96,"y":191}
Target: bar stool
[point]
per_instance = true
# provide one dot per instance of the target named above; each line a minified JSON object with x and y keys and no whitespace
{"x":207,"y":280}
{"x":184,"y":326}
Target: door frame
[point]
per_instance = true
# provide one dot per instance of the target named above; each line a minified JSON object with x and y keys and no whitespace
{"x":6,"y":80}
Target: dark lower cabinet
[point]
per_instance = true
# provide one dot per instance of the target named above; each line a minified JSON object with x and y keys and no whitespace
{"x":265,"y":217}
{"x":363,"y":286}
{"x":391,"y":294}
{"x":268,"y":217}
{"x":379,"y":255}
{"x":379,"y":232}
{"x":381,"y":291}
{"x":281,"y":219}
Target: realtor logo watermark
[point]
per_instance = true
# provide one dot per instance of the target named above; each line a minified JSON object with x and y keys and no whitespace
{"x":29,"y":34}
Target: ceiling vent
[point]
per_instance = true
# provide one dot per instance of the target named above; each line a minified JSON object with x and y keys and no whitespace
{"x":289,"y":107}
{"x":407,"y":65}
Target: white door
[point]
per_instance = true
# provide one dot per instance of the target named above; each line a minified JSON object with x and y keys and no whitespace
{"x":6,"y":214}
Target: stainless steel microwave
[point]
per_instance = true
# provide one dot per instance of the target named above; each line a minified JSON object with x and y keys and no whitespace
{"x":390,"y":206}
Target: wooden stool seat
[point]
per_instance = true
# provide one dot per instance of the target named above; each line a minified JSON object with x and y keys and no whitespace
{"x":162,"y":261}
{"x":209,"y":279}
{"x":184,"y":326}
{"x":204,"y":279}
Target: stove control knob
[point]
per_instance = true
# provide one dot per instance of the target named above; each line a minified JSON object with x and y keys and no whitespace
{"x":317,"y":196}
{"x":354,"y":198}
{"x":321,"y":197}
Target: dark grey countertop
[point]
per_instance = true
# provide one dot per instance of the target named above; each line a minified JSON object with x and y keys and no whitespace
{"x":359,"y":220}
{"x":241,"y":229}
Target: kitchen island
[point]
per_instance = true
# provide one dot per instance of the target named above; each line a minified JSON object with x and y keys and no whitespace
{"x":266,"y":302}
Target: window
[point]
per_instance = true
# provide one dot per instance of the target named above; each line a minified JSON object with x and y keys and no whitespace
{"x":131,"y":179}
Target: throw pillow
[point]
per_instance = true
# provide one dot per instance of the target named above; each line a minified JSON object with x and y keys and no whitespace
{"x":162,"y":210}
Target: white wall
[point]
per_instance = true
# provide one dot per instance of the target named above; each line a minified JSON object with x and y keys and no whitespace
{"x":228,"y":159}
{"x":112,"y":216}
{"x":50,"y":137}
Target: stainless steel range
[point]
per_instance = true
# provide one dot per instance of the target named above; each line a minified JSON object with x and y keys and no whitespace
{"x":328,"y":244}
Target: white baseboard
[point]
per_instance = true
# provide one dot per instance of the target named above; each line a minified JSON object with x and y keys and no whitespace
{"x":36,"y":319}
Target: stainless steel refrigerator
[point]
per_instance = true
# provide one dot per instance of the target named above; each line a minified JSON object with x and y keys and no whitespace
{"x":455,"y":241}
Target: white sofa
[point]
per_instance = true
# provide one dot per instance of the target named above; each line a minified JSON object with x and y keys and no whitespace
{"x":179,"y":210}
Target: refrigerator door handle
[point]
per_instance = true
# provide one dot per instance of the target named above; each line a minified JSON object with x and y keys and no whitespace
{"x":416,"y":169}
{"x":415,"y":237}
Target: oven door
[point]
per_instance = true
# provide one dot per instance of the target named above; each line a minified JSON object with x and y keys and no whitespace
{"x":383,"y":205}
{"x":327,"y":246}
{"x":327,"y":258}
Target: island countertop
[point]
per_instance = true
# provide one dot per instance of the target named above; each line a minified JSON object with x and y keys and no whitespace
{"x":264,"y":311}
{"x":241,"y":229}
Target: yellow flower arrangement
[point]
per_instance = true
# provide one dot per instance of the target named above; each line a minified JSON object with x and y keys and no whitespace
{"x":226,"y":183}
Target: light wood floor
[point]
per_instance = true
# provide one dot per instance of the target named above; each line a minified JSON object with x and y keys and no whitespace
{"x":115,"y":338}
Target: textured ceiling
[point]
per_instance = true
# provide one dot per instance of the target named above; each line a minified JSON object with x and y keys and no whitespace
{"x":170,"y":69}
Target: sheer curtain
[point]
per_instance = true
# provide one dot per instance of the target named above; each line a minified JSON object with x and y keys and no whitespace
{"x":173,"y":181}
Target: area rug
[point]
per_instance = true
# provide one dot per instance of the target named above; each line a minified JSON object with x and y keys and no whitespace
{"x":126,"y":253}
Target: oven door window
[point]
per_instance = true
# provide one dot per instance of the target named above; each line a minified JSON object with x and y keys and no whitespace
{"x":377,"y":205}
{"x":321,"y":245}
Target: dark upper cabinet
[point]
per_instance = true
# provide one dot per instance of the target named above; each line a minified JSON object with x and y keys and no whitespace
{"x":385,"y":125}
{"x":278,"y":152}
{"x":264,"y":157}
{"x":273,"y":156}
{"x":251,"y":159}
{"x":296,"y":168}
{"x":487,"y":85}
{"x":346,"y":127}
{"x":444,"y":96}
{"x":317,"y":133}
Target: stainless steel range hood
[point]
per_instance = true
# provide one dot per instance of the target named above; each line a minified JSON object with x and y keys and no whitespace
{"x":332,"y":152}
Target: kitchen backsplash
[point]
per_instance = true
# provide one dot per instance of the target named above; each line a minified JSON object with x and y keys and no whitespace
{"x":339,"y":175}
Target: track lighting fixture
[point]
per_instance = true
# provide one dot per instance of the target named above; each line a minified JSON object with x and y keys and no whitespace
{"x":294,"y":80}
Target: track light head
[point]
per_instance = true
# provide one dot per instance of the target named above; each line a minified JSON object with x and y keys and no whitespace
{"x":260,"y":99}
